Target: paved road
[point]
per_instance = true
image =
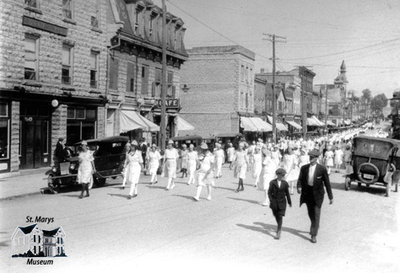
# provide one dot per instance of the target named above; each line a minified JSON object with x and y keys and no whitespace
{"x":168,"y":231}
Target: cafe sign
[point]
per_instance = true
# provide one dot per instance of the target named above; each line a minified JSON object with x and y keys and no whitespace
{"x":42,"y":25}
{"x":169,"y":103}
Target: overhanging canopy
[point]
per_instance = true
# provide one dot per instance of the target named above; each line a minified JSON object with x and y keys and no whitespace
{"x":281,"y":127}
{"x":330,"y":123}
{"x":131,"y":120}
{"x":183,"y":125}
{"x":313,"y":121}
{"x":254,"y":124}
{"x":294,"y":124}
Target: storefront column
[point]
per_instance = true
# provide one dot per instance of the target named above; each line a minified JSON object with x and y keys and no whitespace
{"x":14,"y":147}
{"x":58,"y":126}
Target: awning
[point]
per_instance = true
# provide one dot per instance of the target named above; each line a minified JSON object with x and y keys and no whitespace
{"x":131,"y":120}
{"x":347,"y":122}
{"x":313,"y":121}
{"x":254,"y":124}
{"x":330,"y":123}
{"x":183,"y":125}
{"x":294,"y":124}
{"x":281,"y":127}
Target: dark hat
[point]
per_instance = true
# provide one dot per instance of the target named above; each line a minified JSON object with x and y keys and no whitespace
{"x":314,"y":153}
{"x":280,"y":171}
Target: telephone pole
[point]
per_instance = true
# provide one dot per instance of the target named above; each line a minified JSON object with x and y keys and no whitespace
{"x":162,"y":138}
{"x":274,"y":39}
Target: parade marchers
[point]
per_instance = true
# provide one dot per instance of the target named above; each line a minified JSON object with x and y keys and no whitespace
{"x":275,"y":168}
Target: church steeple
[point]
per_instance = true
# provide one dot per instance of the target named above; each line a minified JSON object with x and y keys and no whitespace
{"x":341,"y":78}
{"x":343,"y":68}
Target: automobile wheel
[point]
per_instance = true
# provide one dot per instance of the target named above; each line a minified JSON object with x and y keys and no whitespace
{"x":368,"y":173}
{"x":347,"y":183}
{"x":52,"y":184}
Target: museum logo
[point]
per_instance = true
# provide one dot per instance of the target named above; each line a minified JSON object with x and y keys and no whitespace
{"x":34,"y":242}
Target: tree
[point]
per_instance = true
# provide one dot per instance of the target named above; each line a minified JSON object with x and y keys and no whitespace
{"x":378,"y":103}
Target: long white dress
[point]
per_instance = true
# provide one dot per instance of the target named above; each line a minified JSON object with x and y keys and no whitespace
{"x":241,"y":160}
{"x":269,"y":169}
{"x":290,"y":165}
{"x":231,"y":154}
{"x":338,"y":157}
{"x":257,"y":165}
{"x":85,"y":170}
{"x":154,"y":161}
{"x":192,"y":162}
{"x":205,"y":174}
{"x":219,"y":160}
{"x":329,"y":159}
{"x":133,"y":167}
{"x":171,"y":156}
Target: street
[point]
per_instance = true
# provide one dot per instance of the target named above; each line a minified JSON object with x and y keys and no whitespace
{"x":167,"y":230}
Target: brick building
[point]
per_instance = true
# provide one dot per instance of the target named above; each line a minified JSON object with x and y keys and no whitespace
{"x":52,"y":77}
{"x":221,"y":90}
{"x":135,"y":69}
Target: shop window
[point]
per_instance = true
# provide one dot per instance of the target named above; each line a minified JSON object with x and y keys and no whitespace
{"x":94,"y":68}
{"x":67,"y":9}
{"x":31,"y":58}
{"x":66,"y":73}
{"x":81,"y":124}
{"x":4,"y":139}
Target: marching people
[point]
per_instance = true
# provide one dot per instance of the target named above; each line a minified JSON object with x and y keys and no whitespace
{"x":241,"y":163}
{"x":328,"y":159}
{"x":219,"y":155}
{"x":290,"y":163}
{"x":171,"y":156}
{"x":184,"y":160}
{"x":143,"y":148}
{"x":86,"y":168}
{"x":192,"y":164}
{"x":338,"y":157}
{"x":153,"y":160}
{"x":127,"y":149}
{"x":257,"y":165}
{"x":134,"y":162}
{"x":278,"y":194}
{"x":230,"y":154}
{"x":269,"y":168}
{"x":310,"y":185}
{"x":205,"y":176}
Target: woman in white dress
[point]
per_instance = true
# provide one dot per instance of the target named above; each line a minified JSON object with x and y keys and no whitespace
{"x":192,"y":164}
{"x":134,"y":162}
{"x":85,"y":170}
{"x":171,"y":156}
{"x":184,"y":162}
{"x":269,"y":168}
{"x":338,"y":158}
{"x":153,"y":159}
{"x":241,"y":163}
{"x":304,"y":158}
{"x":290,"y":164}
{"x":205,"y":175}
{"x":127,"y":150}
{"x":329,"y":159}
{"x":219,"y":155}
{"x":231,"y":154}
{"x":257,"y":165}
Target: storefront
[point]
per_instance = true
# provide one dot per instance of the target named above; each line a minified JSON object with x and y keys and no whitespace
{"x":5,"y":120}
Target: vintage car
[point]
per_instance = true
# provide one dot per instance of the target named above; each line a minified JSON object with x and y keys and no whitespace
{"x":374,"y":161}
{"x":109,"y":156}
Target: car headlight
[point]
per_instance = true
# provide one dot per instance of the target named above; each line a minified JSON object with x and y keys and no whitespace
{"x":54,"y":169}
{"x":72,"y":166}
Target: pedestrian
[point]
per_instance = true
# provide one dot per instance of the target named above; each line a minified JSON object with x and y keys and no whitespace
{"x":171,"y":156}
{"x":231,"y":155}
{"x":257,"y":165}
{"x":184,"y":160}
{"x":127,"y":149}
{"x":219,"y":160}
{"x":60,"y":154}
{"x":241,"y":163}
{"x":328,"y":159}
{"x":338,"y":158}
{"x":86,"y":168}
{"x":192,"y":164}
{"x":133,"y":167}
{"x":310,"y":185}
{"x":143,"y":148}
{"x":153,"y":159}
{"x":290,"y":163}
{"x":278,"y":194}
{"x":205,"y":176}
{"x":304,"y":157}
{"x":269,"y":168}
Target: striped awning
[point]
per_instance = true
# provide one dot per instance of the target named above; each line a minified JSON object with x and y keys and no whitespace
{"x":132,"y":120}
{"x":254,"y":124}
{"x":281,"y":127}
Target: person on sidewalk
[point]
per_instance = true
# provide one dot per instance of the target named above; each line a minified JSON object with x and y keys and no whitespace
{"x":86,"y":169}
{"x":257,"y":165}
{"x":60,"y":154}
{"x":269,"y":168}
{"x":143,"y":148}
{"x":241,"y":163}
{"x":310,"y":185}
{"x":205,"y":174}
{"x":127,"y":149}
{"x":219,"y":155}
{"x":153,"y":159}
{"x":192,"y":164}
{"x":231,"y":155}
{"x":171,"y":157}
{"x":184,"y":160}
{"x":278,"y":194}
{"x":133,"y":167}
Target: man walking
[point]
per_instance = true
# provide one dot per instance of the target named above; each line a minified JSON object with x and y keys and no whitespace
{"x":312,"y":179}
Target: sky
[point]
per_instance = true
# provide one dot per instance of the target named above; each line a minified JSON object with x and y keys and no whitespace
{"x":319,"y":34}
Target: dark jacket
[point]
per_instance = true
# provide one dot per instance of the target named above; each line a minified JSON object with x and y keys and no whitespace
{"x":316,"y":192}
{"x":59,"y":153}
{"x":278,"y":195}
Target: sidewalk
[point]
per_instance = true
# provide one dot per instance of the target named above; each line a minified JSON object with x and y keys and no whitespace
{"x":29,"y":182}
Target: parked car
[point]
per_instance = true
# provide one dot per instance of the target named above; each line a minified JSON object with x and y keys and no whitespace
{"x":109,"y":156}
{"x":374,"y":161}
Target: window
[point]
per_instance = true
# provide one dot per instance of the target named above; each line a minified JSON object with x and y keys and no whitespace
{"x":32,"y":3}
{"x":66,"y":72}
{"x":130,"y":80}
{"x":94,"y":67}
{"x":170,"y":84}
{"x":156,"y":88}
{"x":145,"y":79}
{"x":4,"y":130}
{"x":67,"y":9}
{"x":113,"y":76}
{"x":31,"y":58}
{"x":81,"y":124}
{"x":94,"y":20}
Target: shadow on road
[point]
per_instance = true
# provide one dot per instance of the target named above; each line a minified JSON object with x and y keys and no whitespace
{"x":270,"y":229}
{"x":156,"y":187}
{"x":224,"y":188}
{"x":118,"y":195}
{"x":245,"y":200}
{"x":184,"y":196}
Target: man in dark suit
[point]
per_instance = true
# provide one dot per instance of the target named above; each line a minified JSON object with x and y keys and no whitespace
{"x":312,"y":179}
{"x":278,"y":192}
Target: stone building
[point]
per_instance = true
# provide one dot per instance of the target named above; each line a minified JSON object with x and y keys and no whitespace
{"x":52,"y":77}
{"x":220,"y":97}
{"x":134,"y":85}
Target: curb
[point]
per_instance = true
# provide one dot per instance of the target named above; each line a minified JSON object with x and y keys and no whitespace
{"x":21,"y":195}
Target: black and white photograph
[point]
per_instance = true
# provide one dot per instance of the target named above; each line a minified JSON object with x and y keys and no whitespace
{"x":200,"y":136}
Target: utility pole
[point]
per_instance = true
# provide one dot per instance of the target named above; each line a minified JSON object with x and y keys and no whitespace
{"x":162,"y":138}
{"x":274,"y":39}
{"x":326,"y":109}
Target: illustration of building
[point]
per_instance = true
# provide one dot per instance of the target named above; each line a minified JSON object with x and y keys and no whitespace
{"x":32,"y":241}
